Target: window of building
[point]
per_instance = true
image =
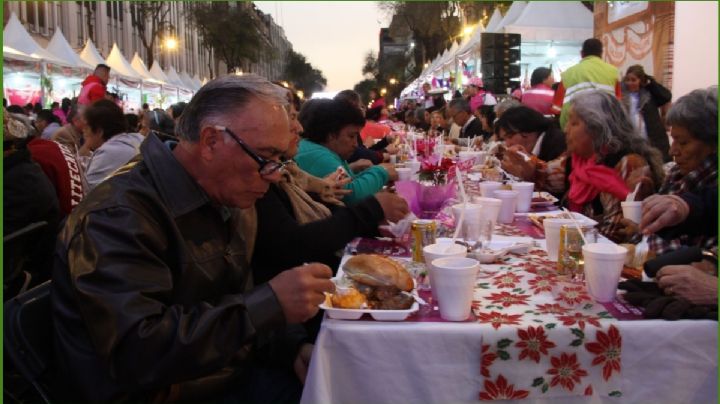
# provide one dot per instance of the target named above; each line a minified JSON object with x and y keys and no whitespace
{"x":31,"y":16}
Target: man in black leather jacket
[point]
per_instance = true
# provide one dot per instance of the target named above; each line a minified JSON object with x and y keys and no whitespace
{"x":152,"y":297}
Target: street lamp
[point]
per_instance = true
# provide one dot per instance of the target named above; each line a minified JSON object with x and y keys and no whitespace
{"x":468,"y":30}
{"x":171,"y":43}
{"x":383,"y":91}
{"x":393,"y":81}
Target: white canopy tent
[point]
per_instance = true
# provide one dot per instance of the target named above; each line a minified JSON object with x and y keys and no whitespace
{"x":120,"y":65}
{"x":188,"y":81}
{"x":60,"y":47}
{"x":17,"y":42}
{"x":553,"y":21}
{"x":157,"y":73}
{"x":552,"y":33}
{"x":91,"y":55}
{"x":495,"y":20}
{"x":472,"y":44}
{"x":171,"y":74}
{"x":139,"y":66}
{"x":515,"y":10}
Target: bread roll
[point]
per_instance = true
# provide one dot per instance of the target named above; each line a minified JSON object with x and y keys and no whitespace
{"x":377,"y":270}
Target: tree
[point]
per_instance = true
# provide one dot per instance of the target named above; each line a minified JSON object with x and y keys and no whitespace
{"x":230,"y":30}
{"x":370,"y":68}
{"x":434,"y":25}
{"x":363,"y":88}
{"x":303,"y":75}
{"x":150,"y":19}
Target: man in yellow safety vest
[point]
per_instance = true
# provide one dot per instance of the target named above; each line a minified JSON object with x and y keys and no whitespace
{"x":590,"y":74}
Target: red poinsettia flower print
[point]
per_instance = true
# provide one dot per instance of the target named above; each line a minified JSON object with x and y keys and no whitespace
{"x":573,"y":295}
{"x":589,"y":390}
{"x":580,"y":319}
{"x":498,"y":319}
{"x":508,"y":299}
{"x":607,"y":351}
{"x":539,"y":269}
{"x":501,"y":390}
{"x":566,"y":371}
{"x":554,"y":308}
{"x":533,"y":342}
{"x":541,"y":284}
{"x":506,"y":280}
{"x":487,"y":359}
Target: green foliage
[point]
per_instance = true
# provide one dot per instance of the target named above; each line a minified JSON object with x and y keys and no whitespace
{"x":230,"y":30}
{"x":303,"y":75}
{"x":363,"y":88}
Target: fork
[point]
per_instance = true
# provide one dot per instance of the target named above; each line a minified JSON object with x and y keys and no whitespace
{"x":641,"y":250}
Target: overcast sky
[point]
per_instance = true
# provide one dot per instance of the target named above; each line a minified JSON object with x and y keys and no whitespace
{"x":333,"y":35}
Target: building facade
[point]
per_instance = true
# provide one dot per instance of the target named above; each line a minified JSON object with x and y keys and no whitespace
{"x":110,"y":22}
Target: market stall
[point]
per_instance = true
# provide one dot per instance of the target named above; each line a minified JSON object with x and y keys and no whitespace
{"x":168,"y":92}
{"x":66,"y":82}
{"x":25,"y":67}
{"x":124,"y":80}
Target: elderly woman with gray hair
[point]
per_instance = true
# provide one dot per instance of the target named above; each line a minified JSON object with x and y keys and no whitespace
{"x":693,"y":118}
{"x":605,"y":160}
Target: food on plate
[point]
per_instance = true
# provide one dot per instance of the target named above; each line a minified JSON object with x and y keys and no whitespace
{"x":348,"y":298}
{"x":540,"y":199}
{"x":380,"y":280}
{"x":538,"y":220}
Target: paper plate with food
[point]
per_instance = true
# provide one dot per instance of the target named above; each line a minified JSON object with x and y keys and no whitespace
{"x":372,"y":284}
{"x":543,"y":199}
{"x":538,"y":219}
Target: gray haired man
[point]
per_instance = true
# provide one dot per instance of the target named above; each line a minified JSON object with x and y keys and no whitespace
{"x":152,"y":298}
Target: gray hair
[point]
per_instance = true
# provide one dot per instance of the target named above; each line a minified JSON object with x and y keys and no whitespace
{"x":222,"y":98}
{"x":612,"y":130}
{"x":504,"y":105}
{"x":460,"y":104}
{"x":697,"y":112}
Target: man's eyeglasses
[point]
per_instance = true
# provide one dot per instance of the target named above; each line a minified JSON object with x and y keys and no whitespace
{"x":267,"y":167}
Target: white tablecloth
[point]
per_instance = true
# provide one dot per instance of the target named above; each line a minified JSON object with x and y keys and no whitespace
{"x":373,"y":362}
{"x":439,"y":362}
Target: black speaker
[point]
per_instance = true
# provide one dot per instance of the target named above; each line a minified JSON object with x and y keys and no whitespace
{"x":500,"y":54}
{"x":500,"y":70}
{"x":500,"y":85}
{"x":494,"y":40}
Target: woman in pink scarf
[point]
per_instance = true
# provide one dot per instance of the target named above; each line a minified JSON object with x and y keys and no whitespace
{"x":608,"y":159}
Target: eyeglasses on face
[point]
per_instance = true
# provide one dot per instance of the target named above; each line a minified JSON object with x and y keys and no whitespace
{"x":267,"y":167}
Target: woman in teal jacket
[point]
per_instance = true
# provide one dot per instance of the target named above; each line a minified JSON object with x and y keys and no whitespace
{"x":329,"y":139}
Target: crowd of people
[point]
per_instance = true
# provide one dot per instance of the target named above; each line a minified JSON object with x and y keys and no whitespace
{"x":190,"y":248}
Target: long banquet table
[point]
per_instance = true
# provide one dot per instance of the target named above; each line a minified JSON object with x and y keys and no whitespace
{"x":428,"y":360}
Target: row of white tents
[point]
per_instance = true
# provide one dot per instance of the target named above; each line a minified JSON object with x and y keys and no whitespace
{"x":551,"y":33}
{"x":27,"y":64}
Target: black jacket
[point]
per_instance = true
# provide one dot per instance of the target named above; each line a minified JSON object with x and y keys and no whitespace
{"x":151,"y":289}
{"x":652,"y":97}
{"x":28,"y":197}
{"x":553,"y":144}
{"x":473,"y":129}
{"x":283,"y":243}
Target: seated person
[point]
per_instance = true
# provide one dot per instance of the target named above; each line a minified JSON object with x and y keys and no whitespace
{"x":528,"y":132}
{"x":28,"y":197}
{"x":375,"y":152}
{"x":372,"y":130}
{"x":687,"y":213}
{"x":486,"y":115}
{"x":107,"y":140}
{"x":152,"y":296}
{"x":329,"y":139}
{"x":605,"y":159}
{"x":289,"y":220}
{"x":438,"y":124}
{"x":693,"y":119}
{"x":470,"y":126}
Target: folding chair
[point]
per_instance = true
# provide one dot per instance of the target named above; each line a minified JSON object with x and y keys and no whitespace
{"x":27,"y":340}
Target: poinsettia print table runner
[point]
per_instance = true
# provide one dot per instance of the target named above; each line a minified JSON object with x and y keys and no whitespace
{"x":545,"y":335}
